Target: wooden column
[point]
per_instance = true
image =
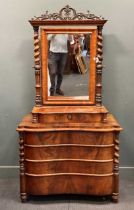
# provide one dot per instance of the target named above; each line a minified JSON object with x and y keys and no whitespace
{"x":23,"y":194}
{"x":115,"y":194}
{"x":37,"y":67}
{"x":99,"y":67}
{"x":35,"y":118}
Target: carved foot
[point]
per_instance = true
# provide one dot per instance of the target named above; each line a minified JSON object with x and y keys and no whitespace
{"x":115,"y":197}
{"x":23,"y":197}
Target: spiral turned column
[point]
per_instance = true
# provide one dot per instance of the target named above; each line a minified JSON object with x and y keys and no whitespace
{"x":37,"y":67}
{"x":23,"y":193}
{"x":99,"y":67}
{"x":115,"y":194}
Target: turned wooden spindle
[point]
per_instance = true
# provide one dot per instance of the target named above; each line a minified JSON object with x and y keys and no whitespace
{"x":115,"y":194}
{"x":37,"y":67}
{"x":23,"y":193}
{"x":35,"y":118}
{"x":99,"y":67}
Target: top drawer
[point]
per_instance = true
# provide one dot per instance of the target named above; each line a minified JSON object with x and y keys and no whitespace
{"x":71,"y":117}
{"x":69,"y":137}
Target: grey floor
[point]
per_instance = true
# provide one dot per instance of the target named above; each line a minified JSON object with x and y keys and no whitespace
{"x":77,"y":84}
{"x":9,"y":198}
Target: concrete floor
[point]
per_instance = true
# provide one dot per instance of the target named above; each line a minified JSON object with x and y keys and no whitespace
{"x":9,"y":197}
{"x":76,"y":84}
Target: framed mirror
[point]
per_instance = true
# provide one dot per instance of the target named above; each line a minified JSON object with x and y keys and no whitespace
{"x":68,"y":58}
{"x":68,"y":64}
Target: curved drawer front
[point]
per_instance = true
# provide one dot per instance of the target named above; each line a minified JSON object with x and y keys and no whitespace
{"x":69,"y":137}
{"x":71,"y":184}
{"x":68,"y":166}
{"x":43,"y":152}
{"x":70,"y":117}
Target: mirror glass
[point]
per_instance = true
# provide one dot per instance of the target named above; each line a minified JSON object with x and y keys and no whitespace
{"x":68,"y":64}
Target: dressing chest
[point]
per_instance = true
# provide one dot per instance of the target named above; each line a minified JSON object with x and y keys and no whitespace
{"x":69,"y":144}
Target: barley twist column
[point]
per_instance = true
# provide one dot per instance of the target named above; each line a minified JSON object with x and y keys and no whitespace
{"x":37,"y":67}
{"x":99,"y":67}
{"x":23,"y":193}
{"x":115,"y":194}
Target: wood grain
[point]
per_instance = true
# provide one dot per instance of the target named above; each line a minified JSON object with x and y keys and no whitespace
{"x":69,"y":145}
{"x":68,"y":100}
{"x":70,"y":161}
{"x":69,"y":185}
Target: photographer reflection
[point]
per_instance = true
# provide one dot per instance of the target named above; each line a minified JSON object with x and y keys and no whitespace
{"x":57,"y":58}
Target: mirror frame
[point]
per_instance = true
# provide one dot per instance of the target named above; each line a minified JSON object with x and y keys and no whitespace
{"x":90,"y":99}
{"x":67,"y":21}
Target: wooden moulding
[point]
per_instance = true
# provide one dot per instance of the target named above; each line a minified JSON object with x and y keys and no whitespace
{"x":58,"y":100}
{"x":69,"y":109}
{"x":72,"y":22}
{"x":27,"y":125}
{"x":70,"y":114}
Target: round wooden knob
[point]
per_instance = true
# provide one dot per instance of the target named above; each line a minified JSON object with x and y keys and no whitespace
{"x":69,"y":116}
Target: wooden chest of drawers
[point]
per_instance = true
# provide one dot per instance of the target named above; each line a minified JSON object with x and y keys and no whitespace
{"x":71,"y":160}
{"x":69,"y":143}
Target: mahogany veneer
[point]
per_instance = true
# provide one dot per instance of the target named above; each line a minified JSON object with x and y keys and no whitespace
{"x":69,"y":145}
{"x":82,"y":159}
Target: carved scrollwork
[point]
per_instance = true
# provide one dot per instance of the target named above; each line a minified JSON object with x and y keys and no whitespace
{"x":68,"y":13}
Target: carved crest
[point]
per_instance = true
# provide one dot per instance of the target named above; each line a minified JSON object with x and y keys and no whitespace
{"x":68,"y":13}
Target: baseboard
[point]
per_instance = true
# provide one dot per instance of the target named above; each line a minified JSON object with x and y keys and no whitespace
{"x":126,"y":167}
{"x":4,"y":167}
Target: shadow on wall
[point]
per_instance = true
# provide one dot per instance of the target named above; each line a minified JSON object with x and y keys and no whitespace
{"x":117,"y":91}
{"x":114,"y":54}
{"x":19,"y":101}
{"x":25,"y":55}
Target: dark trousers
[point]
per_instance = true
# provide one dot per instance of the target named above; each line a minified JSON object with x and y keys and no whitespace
{"x":56,"y":65}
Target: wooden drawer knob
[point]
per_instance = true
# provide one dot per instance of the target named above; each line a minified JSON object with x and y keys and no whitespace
{"x":69,"y":116}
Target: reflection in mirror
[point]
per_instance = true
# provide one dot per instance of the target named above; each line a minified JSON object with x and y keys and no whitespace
{"x":68,"y":64}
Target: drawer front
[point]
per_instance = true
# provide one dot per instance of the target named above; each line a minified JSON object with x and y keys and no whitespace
{"x":68,"y":166}
{"x":69,"y":137}
{"x":71,"y":184}
{"x":68,"y":152}
{"x":70,"y":117}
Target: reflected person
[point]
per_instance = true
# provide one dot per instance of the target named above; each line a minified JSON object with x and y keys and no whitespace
{"x":57,"y":59}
